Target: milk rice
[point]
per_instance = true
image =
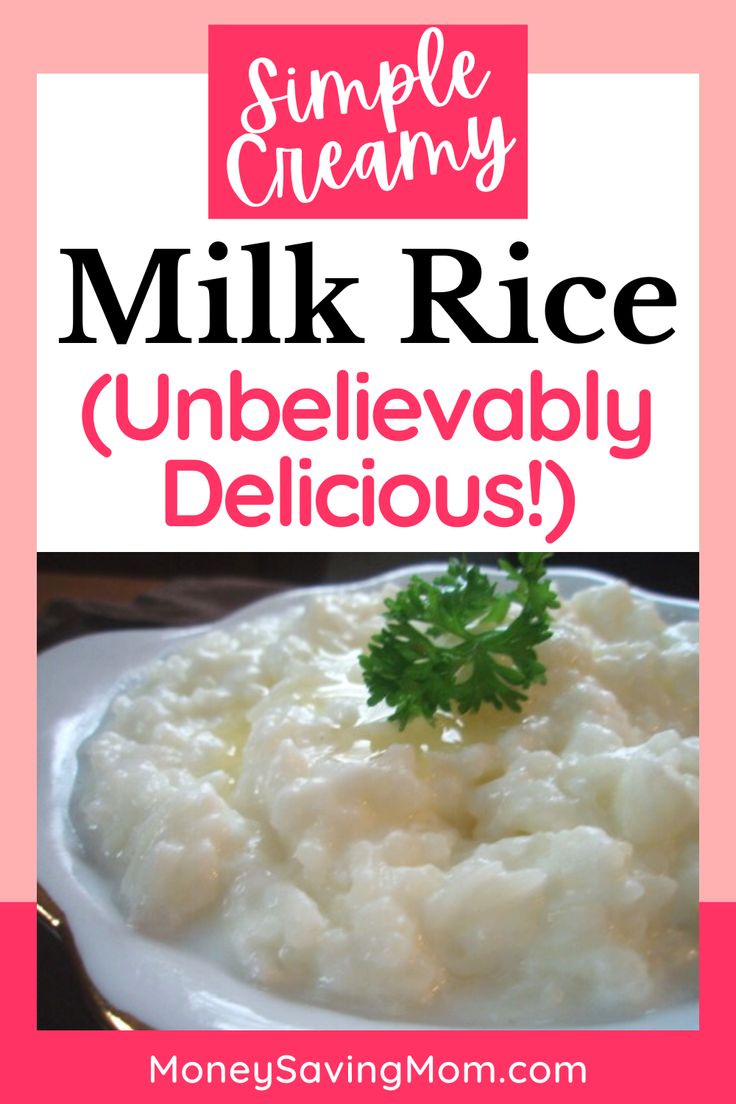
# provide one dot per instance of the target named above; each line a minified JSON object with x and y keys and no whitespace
{"x":494,"y":869}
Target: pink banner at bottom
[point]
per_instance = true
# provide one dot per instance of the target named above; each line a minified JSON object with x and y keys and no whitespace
{"x":516,"y":1065}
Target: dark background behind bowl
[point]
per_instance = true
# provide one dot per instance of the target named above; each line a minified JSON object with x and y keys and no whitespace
{"x":667,"y":572}
{"x":86,"y":592}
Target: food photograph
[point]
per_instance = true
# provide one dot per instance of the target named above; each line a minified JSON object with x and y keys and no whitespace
{"x":332,"y":791}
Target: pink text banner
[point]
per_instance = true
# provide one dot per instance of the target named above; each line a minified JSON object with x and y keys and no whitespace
{"x":368,"y":122}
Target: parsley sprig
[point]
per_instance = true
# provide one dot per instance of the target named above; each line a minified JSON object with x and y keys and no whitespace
{"x":447,"y":644}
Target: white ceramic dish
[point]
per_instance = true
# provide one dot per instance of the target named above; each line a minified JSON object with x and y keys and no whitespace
{"x":140,"y":981}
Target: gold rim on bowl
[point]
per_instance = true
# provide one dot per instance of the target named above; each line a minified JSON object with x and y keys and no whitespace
{"x":112,"y":1018}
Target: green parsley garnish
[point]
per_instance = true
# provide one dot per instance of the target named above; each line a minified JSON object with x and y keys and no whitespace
{"x":447,"y":645}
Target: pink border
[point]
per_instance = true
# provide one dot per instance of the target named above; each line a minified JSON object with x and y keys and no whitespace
{"x":565,"y":36}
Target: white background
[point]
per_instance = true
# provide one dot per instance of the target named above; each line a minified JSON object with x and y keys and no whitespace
{"x":612,"y":195}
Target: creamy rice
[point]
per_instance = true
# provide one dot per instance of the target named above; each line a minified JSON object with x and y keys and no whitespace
{"x":494,"y":869}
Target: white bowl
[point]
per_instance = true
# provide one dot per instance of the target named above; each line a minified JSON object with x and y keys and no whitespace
{"x":136,"y":980}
